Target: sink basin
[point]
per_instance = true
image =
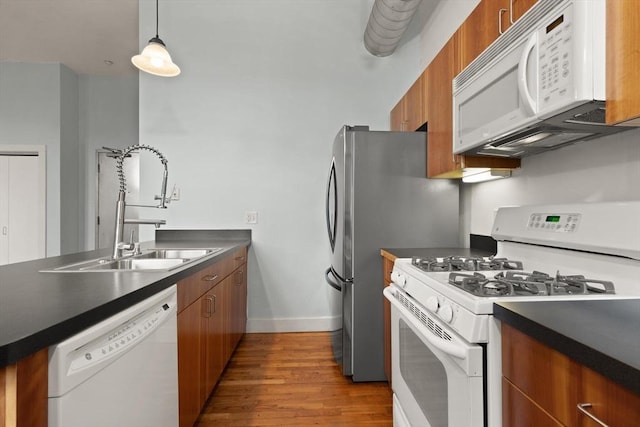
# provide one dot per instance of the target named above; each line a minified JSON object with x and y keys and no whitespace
{"x":140,"y":264}
{"x":152,"y":260}
{"x":177,"y":253}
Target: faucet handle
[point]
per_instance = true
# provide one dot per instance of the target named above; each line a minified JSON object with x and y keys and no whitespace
{"x":133,"y":232}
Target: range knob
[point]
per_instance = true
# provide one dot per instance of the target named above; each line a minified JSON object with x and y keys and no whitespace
{"x":398,"y":279}
{"x":446,"y":312}
{"x":432,"y":304}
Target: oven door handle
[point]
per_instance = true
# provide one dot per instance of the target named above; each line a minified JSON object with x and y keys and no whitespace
{"x":446,"y":347}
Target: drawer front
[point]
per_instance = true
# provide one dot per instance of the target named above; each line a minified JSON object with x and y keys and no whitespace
{"x":239,"y":258}
{"x":194,"y":286}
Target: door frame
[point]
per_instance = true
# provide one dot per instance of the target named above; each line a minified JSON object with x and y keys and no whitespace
{"x":41,"y":152}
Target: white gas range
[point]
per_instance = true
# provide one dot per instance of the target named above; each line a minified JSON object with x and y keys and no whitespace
{"x":443,"y":330}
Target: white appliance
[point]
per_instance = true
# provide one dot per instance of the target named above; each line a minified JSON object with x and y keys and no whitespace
{"x":122,"y":371}
{"x":446,"y":346}
{"x":539,"y":86}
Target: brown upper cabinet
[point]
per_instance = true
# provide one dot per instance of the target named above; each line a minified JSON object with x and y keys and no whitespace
{"x":485,"y":24}
{"x":623,"y":62}
{"x":408,"y":114}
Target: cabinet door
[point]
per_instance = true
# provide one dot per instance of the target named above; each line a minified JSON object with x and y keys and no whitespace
{"x":397,"y":117}
{"x":520,"y":411}
{"x":440,"y":158}
{"x":387,"y":267}
{"x":238,"y":293}
{"x":214,"y":325}
{"x":413,"y":102}
{"x":623,"y":61}
{"x":408,"y":115}
{"x":191,"y":390}
{"x":484,"y":24}
{"x":610,"y":403}
{"x":480,"y":29}
{"x":545,"y":376}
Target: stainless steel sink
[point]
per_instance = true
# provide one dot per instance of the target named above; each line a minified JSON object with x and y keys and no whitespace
{"x":151,"y":260}
{"x":177,"y":253}
{"x":141,"y":264}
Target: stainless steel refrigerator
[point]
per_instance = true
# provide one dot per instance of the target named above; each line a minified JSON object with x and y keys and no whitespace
{"x":378,"y":196}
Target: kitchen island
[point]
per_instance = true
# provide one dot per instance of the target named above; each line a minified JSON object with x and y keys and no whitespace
{"x":558,"y":355}
{"x":38,"y":309}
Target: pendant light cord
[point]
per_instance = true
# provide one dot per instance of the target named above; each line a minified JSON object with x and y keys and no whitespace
{"x":157,"y":20}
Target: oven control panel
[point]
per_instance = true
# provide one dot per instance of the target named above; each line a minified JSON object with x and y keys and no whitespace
{"x":554,"y":222}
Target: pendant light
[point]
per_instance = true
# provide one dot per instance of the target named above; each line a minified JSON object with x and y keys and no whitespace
{"x":154,"y":58}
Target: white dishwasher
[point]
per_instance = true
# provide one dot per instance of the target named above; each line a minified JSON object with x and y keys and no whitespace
{"x":121,"y":372}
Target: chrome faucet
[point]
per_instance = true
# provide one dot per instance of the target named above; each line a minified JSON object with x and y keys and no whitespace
{"x":119,"y":246}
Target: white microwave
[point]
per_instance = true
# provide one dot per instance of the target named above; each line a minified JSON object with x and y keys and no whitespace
{"x":539,"y":86}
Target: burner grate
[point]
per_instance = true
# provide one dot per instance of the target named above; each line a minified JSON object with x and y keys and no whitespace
{"x":457,"y":263}
{"x":521,"y":283}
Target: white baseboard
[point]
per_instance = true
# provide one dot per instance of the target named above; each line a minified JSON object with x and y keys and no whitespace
{"x":307,"y":324}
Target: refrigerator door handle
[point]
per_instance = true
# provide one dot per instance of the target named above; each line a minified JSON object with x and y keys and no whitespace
{"x":331,"y":283}
{"x":332,"y":218}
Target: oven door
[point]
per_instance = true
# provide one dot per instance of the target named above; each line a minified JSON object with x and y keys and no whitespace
{"x":437,"y":377}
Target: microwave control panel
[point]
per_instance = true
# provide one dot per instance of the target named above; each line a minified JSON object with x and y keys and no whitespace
{"x":555,"y":57}
{"x":559,"y":223}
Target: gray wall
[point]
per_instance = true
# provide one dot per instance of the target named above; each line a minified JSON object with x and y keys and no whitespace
{"x":108,"y":118}
{"x":248,"y":126}
{"x":33,"y":111}
{"x":73,"y":116}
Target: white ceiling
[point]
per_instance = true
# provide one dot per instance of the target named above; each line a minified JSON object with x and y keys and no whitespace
{"x":82,"y":34}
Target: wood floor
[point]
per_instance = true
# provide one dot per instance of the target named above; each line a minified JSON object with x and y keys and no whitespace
{"x":292,"y":380}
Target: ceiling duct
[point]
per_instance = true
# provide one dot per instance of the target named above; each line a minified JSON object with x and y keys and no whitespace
{"x":388,"y":21}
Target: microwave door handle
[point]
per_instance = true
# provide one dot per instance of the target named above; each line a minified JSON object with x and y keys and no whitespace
{"x":523,"y":88}
{"x":446,"y":347}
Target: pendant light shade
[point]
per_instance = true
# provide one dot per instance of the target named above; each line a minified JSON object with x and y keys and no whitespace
{"x":154,"y":58}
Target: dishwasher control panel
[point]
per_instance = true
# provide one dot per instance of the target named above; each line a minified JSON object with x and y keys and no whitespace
{"x":118,"y":340}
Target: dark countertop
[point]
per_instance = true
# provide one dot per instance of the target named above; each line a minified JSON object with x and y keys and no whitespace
{"x":603,"y":335}
{"x":40,"y":309}
{"x":433,"y":252}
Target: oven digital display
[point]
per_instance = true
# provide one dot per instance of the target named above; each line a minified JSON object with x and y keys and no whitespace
{"x":555,"y":23}
{"x":553,"y":218}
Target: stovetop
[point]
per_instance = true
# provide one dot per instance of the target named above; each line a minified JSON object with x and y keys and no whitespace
{"x":458,"y":263}
{"x":501,"y":277}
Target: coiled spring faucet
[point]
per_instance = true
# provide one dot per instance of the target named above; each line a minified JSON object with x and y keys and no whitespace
{"x":119,"y":246}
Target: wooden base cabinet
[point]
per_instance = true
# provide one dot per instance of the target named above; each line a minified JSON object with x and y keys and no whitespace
{"x":211,"y":320}
{"x":543,"y":387}
{"x":23,"y":391}
{"x":387,"y":267}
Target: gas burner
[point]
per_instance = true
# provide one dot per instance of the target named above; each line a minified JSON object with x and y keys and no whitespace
{"x":457,"y":263}
{"x":563,"y":285}
{"x":521,"y":283}
{"x":478,"y":284}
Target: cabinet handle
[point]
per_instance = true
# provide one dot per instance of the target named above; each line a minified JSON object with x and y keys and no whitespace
{"x":511,"y":11}
{"x":239,"y":275}
{"x":581,"y":408}
{"x":239,"y":258}
{"x":215,"y":299}
{"x":210,"y":277}
{"x":207,"y":303}
{"x":500,"y":12}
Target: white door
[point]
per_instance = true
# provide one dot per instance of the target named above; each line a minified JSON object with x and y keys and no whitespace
{"x":22,"y":216}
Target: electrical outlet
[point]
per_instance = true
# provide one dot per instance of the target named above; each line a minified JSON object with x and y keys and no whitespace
{"x":175,"y":195}
{"x":251,"y":217}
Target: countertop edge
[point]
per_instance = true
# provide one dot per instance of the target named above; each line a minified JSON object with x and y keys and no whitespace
{"x":605,"y":365}
{"x":12,"y":352}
